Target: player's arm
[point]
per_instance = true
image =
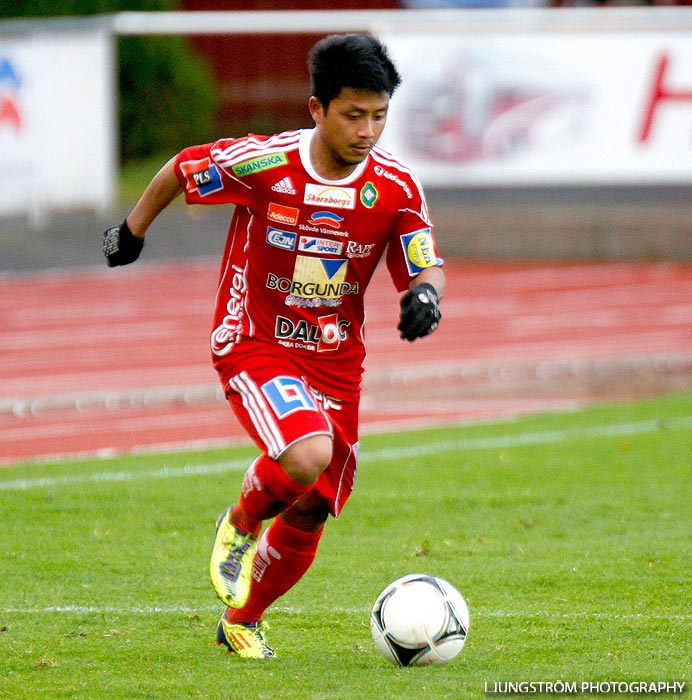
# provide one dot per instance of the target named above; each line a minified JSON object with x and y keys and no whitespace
{"x":420,"y":305}
{"x":122,"y":244}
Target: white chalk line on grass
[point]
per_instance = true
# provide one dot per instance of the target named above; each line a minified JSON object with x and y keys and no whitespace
{"x":292,"y":610}
{"x":386,"y":453}
{"x":103,"y":477}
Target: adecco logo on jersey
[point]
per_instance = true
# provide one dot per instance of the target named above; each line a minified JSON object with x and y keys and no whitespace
{"x":282,"y":214}
{"x":326,"y":195}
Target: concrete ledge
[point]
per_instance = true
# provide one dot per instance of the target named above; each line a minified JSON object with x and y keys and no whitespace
{"x":652,"y":223}
{"x":554,"y":224}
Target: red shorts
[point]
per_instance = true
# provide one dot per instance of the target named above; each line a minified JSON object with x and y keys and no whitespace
{"x":277,"y":405}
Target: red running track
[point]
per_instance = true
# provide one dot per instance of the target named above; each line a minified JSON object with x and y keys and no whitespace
{"x":106,"y":361}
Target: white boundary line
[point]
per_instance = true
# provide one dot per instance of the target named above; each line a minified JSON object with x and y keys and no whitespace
{"x":468,"y":371}
{"x":387,"y":453}
{"x":292,"y":610}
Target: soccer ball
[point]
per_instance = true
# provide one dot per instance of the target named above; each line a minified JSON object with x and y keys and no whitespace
{"x":419,"y":620}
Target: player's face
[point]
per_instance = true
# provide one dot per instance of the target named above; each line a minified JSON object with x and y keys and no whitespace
{"x":347,"y":130}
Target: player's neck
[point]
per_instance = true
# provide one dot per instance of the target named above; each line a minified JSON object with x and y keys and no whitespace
{"x":327,"y":164}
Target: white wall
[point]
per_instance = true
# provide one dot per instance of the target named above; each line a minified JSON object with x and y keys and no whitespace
{"x":524,"y":96}
{"x":544,"y":108}
{"x":57,"y":116}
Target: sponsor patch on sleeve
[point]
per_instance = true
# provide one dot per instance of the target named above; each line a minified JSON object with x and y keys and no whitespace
{"x":201,"y":176}
{"x":419,"y":251}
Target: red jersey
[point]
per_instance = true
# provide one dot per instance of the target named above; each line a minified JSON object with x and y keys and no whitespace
{"x":301,"y":250}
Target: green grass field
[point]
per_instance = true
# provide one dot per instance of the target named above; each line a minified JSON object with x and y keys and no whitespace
{"x":570,"y":536}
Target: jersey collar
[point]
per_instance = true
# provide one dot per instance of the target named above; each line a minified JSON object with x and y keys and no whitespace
{"x":306,"y":136}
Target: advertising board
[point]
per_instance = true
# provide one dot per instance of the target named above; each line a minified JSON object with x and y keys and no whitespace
{"x":544,"y":108}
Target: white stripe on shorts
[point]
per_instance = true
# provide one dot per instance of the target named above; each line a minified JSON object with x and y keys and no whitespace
{"x":260,"y":413}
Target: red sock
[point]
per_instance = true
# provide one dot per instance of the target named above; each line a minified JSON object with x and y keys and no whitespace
{"x":284,"y":554}
{"x":265,"y":492}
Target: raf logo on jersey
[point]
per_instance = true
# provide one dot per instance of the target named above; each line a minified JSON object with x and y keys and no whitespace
{"x":202,"y":176}
{"x":358,"y":250}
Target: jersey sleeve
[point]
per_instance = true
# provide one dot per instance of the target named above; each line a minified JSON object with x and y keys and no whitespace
{"x":412,"y":247}
{"x":204,"y":181}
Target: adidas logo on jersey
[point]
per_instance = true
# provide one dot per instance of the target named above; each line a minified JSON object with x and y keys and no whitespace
{"x":284,"y":186}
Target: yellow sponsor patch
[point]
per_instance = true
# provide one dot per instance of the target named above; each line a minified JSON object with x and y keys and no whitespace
{"x":319,"y":277}
{"x":419,"y":250}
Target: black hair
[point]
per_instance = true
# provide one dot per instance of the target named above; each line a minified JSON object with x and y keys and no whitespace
{"x":358,"y":61}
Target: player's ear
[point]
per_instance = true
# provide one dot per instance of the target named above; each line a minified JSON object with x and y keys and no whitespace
{"x":316,"y":109}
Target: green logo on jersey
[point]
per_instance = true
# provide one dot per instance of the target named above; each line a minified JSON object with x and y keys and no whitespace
{"x":261,"y":163}
{"x":369,"y":195}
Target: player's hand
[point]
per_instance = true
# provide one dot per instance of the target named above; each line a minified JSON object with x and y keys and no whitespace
{"x":120,"y":245}
{"x":420,"y":312}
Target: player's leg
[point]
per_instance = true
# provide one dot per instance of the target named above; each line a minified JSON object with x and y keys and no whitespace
{"x":281,"y":414}
{"x":288,"y":546}
{"x":285,"y":552}
{"x":271,"y":485}
{"x":268,"y":488}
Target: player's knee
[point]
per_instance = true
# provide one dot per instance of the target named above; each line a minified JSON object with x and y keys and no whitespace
{"x":309,"y":513}
{"x":306,"y":459}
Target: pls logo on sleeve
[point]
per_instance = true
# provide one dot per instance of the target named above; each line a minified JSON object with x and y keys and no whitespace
{"x":202,"y":176}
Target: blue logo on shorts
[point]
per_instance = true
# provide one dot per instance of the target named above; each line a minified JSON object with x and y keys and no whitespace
{"x":288,"y":395}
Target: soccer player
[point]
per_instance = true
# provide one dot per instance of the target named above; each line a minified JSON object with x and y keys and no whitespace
{"x":315,"y":211}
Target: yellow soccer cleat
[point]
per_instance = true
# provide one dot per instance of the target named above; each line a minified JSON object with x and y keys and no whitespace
{"x":246,"y":640}
{"x":230,"y":568}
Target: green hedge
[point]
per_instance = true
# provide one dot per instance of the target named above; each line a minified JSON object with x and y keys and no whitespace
{"x":168,"y":96}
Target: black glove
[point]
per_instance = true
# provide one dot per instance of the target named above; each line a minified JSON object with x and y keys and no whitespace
{"x":420,"y":312}
{"x":120,"y":246}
